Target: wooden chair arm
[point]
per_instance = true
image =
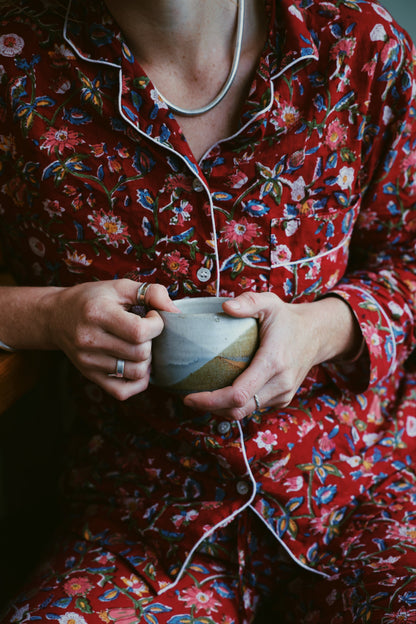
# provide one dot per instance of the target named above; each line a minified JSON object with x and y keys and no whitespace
{"x":19,"y":373}
{"x":20,"y":370}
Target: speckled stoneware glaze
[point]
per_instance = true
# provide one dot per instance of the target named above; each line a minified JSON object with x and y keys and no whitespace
{"x":201,"y":347}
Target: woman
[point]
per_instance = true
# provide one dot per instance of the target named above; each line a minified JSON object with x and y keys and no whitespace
{"x":258,"y":150}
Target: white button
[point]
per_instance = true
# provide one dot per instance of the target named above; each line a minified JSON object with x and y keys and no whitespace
{"x":203,"y":274}
{"x":224,"y":427}
{"x":242,"y":487}
{"x":197,"y":185}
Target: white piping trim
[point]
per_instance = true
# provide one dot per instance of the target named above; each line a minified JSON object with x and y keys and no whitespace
{"x":338,"y":288}
{"x":219,"y":524}
{"x":73,"y":46}
{"x":307,"y":259}
{"x":292,"y":63}
{"x":214,"y":231}
{"x":282,"y":543}
{"x":248,"y":123}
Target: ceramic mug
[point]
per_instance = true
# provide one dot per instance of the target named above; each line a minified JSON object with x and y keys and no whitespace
{"x":201,"y":347}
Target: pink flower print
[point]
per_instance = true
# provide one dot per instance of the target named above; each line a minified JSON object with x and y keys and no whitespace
{"x":11,"y":45}
{"x":60,"y":138}
{"x":108,"y":226}
{"x":326,"y":445}
{"x":294,"y":484}
{"x":403,"y":532}
{"x":370,"y":67}
{"x":174,"y":263}
{"x":408,"y":162}
{"x":237,"y":232}
{"x":114,"y":165}
{"x":387,"y":50}
{"x":182,"y":213}
{"x":305,"y":428}
{"x":178,"y":181}
{"x":53,"y":208}
{"x":98,"y":149}
{"x":277,"y":471}
{"x":266,"y":439}
{"x":336,"y":135}
{"x":287,"y":116}
{"x":77,"y":586}
{"x":346,"y":415}
{"x":200,"y":599}
{"x":238,"y":179}
{"x":246,"y":282}
{"x":373,"y":339}
{"x":184,"y":518}
{"x":402,"y":616}
{"x":344,"y":48}
{"x":123,"y":616}
{"x":280,"y":255}
{"x":135,"y":585}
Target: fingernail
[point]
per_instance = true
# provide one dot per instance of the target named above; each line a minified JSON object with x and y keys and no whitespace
{"x":234,"y":304}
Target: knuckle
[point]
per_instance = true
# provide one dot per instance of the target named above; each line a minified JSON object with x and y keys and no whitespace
{"x":250,"y":297}
{"x":238,"y":413}
{"x":81,"y":338}
{"x":241,"y":397}
{"x":92,"y":310}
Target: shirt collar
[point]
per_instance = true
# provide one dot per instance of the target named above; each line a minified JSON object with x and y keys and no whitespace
{"x":93,"y":33}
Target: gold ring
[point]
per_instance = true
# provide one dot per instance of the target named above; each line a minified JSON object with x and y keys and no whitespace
{"x":141,"y":293}
{"x":257,"y":402}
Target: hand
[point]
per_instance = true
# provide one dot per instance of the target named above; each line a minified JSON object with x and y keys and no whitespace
{"x":91,"y":323}
{"x":293,"y":338}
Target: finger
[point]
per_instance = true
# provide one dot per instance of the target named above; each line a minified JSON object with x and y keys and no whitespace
{"x":108,"y":365}
{"x":121,"y":322}
{"x":120,"y":389}
{"x":248,"y":383}
{"x":103,"y":343}
{"x":131,"y":328}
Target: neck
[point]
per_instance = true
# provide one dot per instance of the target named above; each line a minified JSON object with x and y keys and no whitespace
{"x":187,"y":32}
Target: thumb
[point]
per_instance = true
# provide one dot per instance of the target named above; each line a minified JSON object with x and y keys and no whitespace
{"x":156,"y":296}
{"x":250,"y":304}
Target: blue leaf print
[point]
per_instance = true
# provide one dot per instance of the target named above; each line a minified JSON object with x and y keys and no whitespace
{"x":110,"y":594}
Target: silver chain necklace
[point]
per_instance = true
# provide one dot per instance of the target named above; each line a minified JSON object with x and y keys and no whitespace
{"x":227,"y":84}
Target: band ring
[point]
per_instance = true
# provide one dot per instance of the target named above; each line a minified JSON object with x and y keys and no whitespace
{"x":141,"y":294}
{"x":120,"y":368}
{"x":257,"y":402}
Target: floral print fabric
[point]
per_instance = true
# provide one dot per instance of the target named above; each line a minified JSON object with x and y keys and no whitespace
{"x":314,"y":195}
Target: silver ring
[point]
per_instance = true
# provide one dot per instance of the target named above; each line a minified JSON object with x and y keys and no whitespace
{"x":120,"y":368}
{"x":141,"y":293}
{"x":257,"y":402}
